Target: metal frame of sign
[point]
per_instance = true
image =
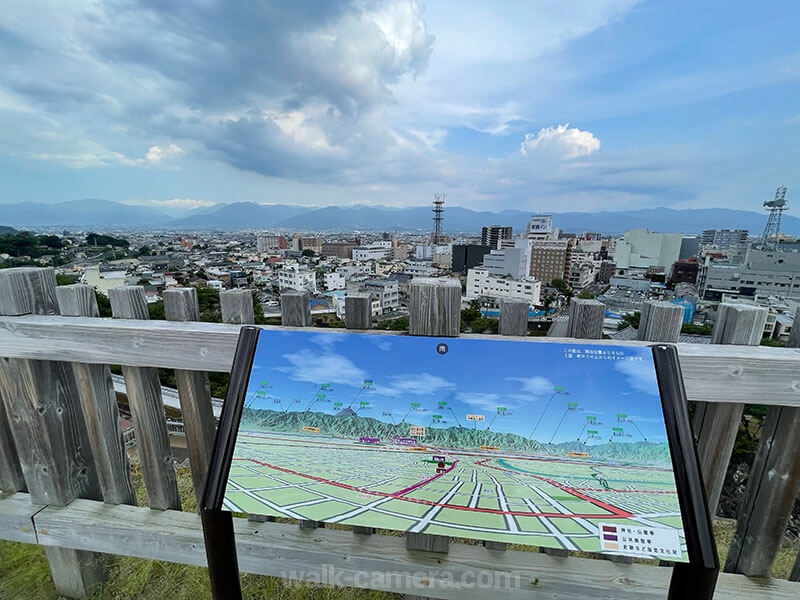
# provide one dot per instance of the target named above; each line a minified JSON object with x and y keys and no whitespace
{"x":695,"y":579}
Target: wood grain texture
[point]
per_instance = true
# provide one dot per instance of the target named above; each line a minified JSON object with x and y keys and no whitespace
{"x":285,"y":550}
{"x":16,"y":518}
{"x":794,"y":336}
{"x":147,"y":410}
{"x":716,"y":425}
{"x":28,"y":290}
{"x":236,"y":306}
{"x":99,"y":406}
{"x":358,"y":311}
{"x":660,"y":322}
{"x":11,"y":478}
{"x":194,"y":393}
{"x":296,"y":308}
{"x":513,"y":317}
{"x":772,"y":488}
{"x":76,"y":573}
{"x":427,"y":542}
{"x":586,"y":319}
{"x":434,"y":306}
{"x":712,"y":373}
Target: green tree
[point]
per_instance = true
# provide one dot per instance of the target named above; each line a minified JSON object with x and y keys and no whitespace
{"x":585,"y":295}
{"x":308,"y":252}
{"x":630,"y":320}
{"x":704,"y":329}
{"x":562,"y":286}
{"x":468,"y":315}
{"x":99,"y":239}
{"x":483,"y":324}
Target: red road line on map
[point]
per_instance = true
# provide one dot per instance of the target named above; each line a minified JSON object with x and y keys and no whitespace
{"x":421,"y":483}
{"x":625,"y":491}
{"x":617,"y":513}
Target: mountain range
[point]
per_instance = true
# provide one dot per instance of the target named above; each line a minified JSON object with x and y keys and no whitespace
{"x":92,"y":213}
{"x":354,"y":426}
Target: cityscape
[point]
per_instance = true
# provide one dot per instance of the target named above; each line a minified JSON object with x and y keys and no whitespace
{"x":541,"y":264}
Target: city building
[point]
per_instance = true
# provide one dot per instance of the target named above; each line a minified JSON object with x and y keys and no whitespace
{"x":641,"y":248}
{"x":690,"y":246}
{"x":419,"y":269}
{"x":386,"y":291}
{"x":509,"y":261}
{"x":723,"y":238}
{"x":375,"y":251}
{"x":606,"y":271}
{"x":338,"y":249}
{"x":550,"y":259}
{"x":467,"y":256}
{"x":313,"y":243}
{"x":491,"y":236}
{"x":631,"y":282}
{"x":335,"y":280}
{"x":582,"y":271}
{"x":481,"y":284}
{"x":763,"y":273}
{"x":540,"y":227}
{"x":269,"y":243}
{"x":684,"y":271}
{"x":297,"y":277}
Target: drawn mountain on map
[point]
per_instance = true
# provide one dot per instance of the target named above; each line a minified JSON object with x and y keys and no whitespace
{"x":353,"y":426}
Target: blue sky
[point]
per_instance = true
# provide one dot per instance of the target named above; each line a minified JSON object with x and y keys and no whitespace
{"x":473,"y":377}
{"x":578,"y":105}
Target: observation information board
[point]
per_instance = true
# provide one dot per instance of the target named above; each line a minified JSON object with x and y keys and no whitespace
{"x":556,"y":445}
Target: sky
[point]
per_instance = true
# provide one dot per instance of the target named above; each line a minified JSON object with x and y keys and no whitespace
{"x":579,"y":105}
{"x":473,"y":377}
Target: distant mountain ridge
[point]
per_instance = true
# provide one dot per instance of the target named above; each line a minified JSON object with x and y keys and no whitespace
{"x":354,"y":426}
{"x":253,"y":216}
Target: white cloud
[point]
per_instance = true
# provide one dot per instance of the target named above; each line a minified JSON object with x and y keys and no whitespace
{"x":187,"y":203}
{"x":561,"y":141}
{"x":419,"y":384}
{"x":536,"y":385}
{"x":315,"y":367}
{"x":641,"y":375}
{"x":486,"y":402}
{"x":158,"y":154}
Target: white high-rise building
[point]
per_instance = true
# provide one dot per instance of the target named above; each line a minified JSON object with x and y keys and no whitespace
{"x":641,"y":248}
{"x":480,"y":283}
{"x":297,"y":278}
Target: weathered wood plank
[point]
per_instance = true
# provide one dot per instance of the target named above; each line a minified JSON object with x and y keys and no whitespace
{"x":28,"y":290}
{"x":358,"y":311}
{"x":772,"y":488}
{"x":287,"y":551}
{"x":99,"y":404}
{"x":434,"y":306}
{"x":41,"y":400}
{"x":712,"y":373}
{"x":586,"y":319}
{"x":236,"y":307}
{"x":11,"y":478}
{"x":194,"y":393}
{"x":296,"y":308}
{"x":716,"y":426}
{"x":16,"y":518}
{"x":513,"y":317}
{"x":660,"y":322}
{"x":147,"y":410}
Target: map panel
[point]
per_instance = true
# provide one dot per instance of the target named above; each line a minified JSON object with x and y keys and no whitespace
{"x":555,"y":445}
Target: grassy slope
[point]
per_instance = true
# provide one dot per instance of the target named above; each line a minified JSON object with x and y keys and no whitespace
{"x":24,"y":573}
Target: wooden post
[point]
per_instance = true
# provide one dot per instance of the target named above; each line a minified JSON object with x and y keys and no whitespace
{"x":295,"y":309}
{"x":435,"y":306}
{"x":237,"y":309}
{"x":11,"y":478}
{"x":434,"y":309}
{"x":237,"y":305}
{"x":514,"y":317}
{"x":99,"y":402}
{"x":586,"y":319}
{"x":358,"y":311}
{"x":772,"y":488}
{"x":147,"y":409}
{"x":716,"y":424}
{"x":41,"y":402}
{"x":660,"y":322}
{"x":194,"y":393}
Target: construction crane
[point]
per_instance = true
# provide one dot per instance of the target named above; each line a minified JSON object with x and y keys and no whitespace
{"x":772,"y":230}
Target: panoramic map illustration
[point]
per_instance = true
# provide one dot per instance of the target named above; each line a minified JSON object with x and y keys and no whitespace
{"x":544,"y":444}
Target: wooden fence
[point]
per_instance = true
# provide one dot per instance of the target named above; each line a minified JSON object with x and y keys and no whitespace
{"x":66,"y":482}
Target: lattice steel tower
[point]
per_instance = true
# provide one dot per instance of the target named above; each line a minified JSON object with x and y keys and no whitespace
{"x":772,"y":230}
{"x":438,"y":210}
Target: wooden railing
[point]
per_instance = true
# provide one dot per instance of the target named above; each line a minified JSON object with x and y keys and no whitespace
{"x":66,"y":481}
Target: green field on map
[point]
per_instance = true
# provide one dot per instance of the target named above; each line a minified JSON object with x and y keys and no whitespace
{"x":527,"y":443}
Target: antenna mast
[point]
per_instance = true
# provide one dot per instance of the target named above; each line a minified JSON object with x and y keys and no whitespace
{"x":438,"y":209}
{"x":772,"y":230}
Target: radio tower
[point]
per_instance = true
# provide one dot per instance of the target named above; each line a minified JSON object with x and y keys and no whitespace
{"x":772,"y":230}
{"x":438,"y":209}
